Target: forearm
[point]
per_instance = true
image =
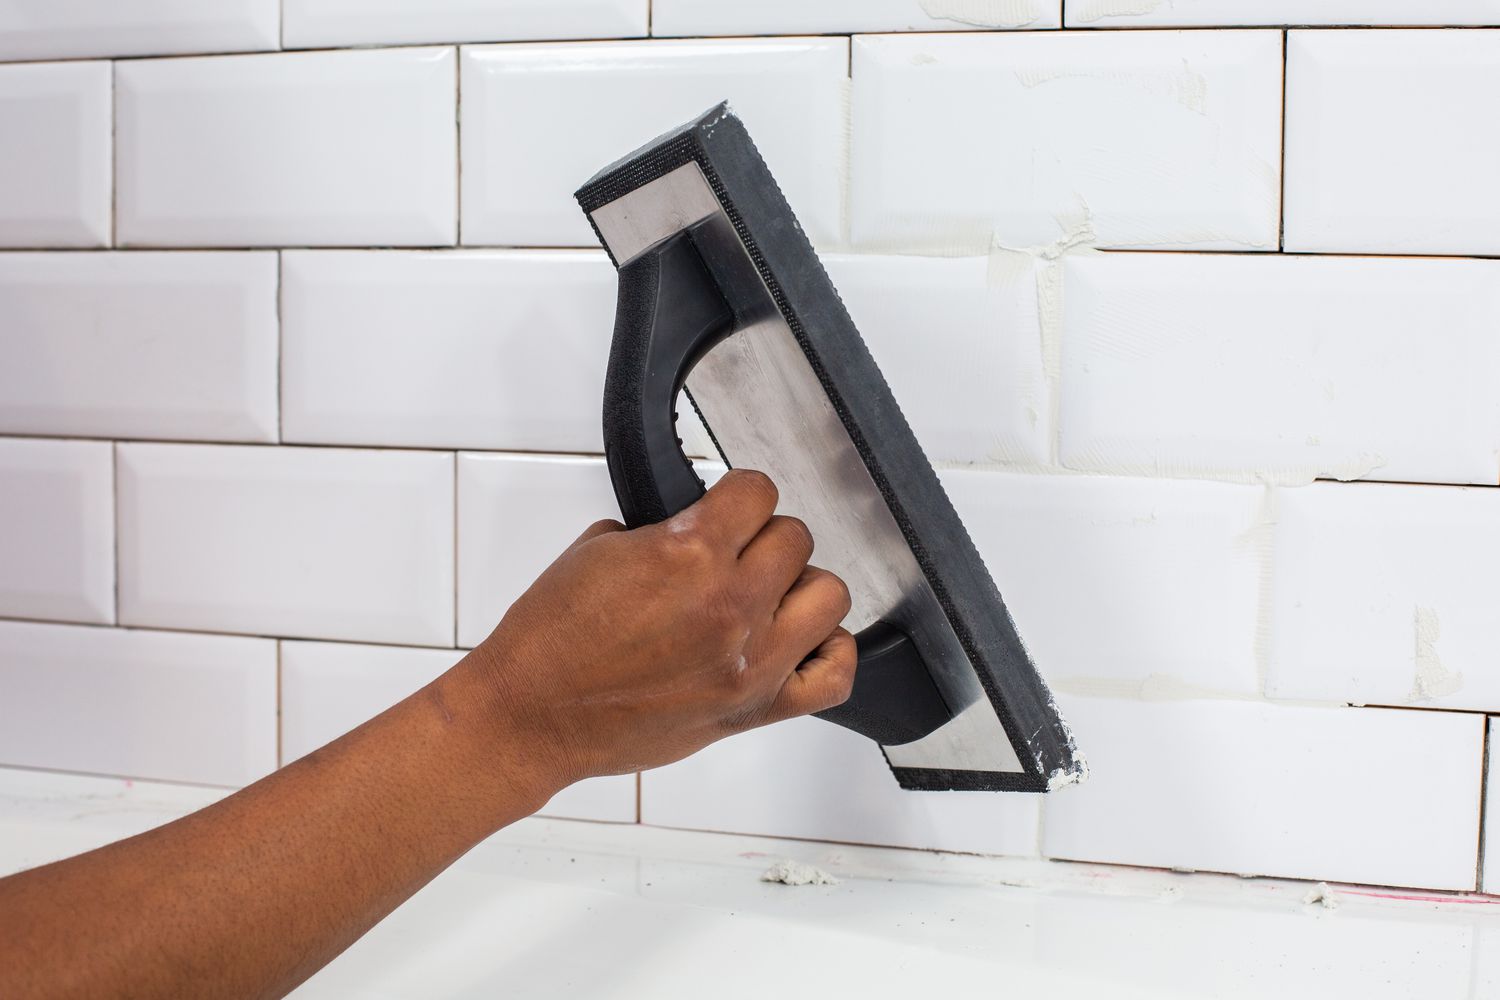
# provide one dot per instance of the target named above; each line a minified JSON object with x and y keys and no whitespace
{"x":252,"y":895}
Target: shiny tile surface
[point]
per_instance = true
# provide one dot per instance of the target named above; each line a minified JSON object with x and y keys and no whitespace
{"x":139,"y":345}
{"x":78,"y":698}
{"x":1350,"y":187}
{"x":307,"y":149}
{"x":313,"y":24}
{"x":468,"y":349}
{"x":55,"y":154}
{"x":966,"y":142}
{"x":67,"y":29}
{"x":570,"y":109}
{"x":57,"y":530}
{"x":301,"y":542}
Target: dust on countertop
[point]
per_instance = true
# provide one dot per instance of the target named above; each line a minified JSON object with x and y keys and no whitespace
{"x":1322,"y":895}
{"x":797,"y":873}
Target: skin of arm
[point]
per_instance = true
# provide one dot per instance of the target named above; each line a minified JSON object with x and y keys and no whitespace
{"x":633,"y":650}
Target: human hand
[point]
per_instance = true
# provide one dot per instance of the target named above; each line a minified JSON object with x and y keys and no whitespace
{"x":638,"y":648}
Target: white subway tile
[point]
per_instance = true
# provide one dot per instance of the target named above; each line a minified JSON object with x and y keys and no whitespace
{"x":55,"y":121}
{"x":1490,"y":874}
{"x":822,"y":17}
{"x":61,"y":29}
{"x":329,"y":688}
{"x":1377,"y":796}
{"x":139,"y":344}
{"x":158,"y":705}
{"x":809,"y":778}
{"x":516,"y":514}
{"x":1386,"y":594}
{"x":1219,"y":13}
{"x":1392,"y":141}
{"x":307,"y":148}
{"x":1044,"y":139}
{"x":326,"y":23}
{"x":1124,"y":585}
{"x":1281,"y":368}
{"x":539,"y":120}
{"x":57,"y":531}
{"x":306,"y":542}
{"x":962,"y":352}
{"x":468,"y":349}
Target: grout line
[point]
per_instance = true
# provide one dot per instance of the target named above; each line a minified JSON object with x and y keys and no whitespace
{"x":280,"y":350}
{"x":1281,"y":190}
{"x":280,"y":737}
{"x":455,"y":549}
{"x":175,"y":782}
{"x":638,"y":787}
{"x":1484,"y":801}
{"x":907,"y":251}
{"x":458,"y":147}
{"x":767,"y":36}
{"x":114,"y":484}
{"x":114,"y":156}
{"x":184,"y":630}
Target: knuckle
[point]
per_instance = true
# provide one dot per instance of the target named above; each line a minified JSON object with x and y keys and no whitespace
{"x":799,"y":536}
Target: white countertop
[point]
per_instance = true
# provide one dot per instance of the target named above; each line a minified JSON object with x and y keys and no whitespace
{"x":551,"y":908}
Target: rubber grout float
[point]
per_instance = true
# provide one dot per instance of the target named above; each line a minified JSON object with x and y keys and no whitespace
{"x":721,"y":295}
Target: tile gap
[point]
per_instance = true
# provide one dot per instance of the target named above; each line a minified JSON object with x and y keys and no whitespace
{"x":1281,"y":192}
{"x":1484,"y":803}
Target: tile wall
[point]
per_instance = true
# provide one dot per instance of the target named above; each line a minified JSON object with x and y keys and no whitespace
{"x":302,"y":341}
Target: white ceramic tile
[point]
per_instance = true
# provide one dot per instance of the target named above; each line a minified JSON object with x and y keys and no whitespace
{"x":962,"y":352}
{"x":160,"y":705}
{"x":1259,"y":789}
{"x":809,"y":778}
{"x":813,"y":17}
{"x":322,"y":543}
{"x":469,"y":349}
{"x":324,"y":23}
{"x":1281,"y":368}
{"x":1386,"y":594}
{"x":306,"y":148}
{"x":540,"y":120}
{"x":328,"y":688}
{"x":1044,"y":139}
{"x":139,"y":344}
{"x":1490,"y":874}
{"x":1124,"y":585}
{"x":61,"y":29}
{"x":516,"y":514}
{"x":55,"y":122}
{"x":1392,"y":144}
{"x":57,"y":531}
{"x":1218,"y":13}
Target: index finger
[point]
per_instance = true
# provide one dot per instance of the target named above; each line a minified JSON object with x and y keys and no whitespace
{"x":733,"y":511}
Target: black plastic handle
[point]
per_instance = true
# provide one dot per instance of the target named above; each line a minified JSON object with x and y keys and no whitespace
{"x":668,"y":315}
{"x":677,"y":300}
